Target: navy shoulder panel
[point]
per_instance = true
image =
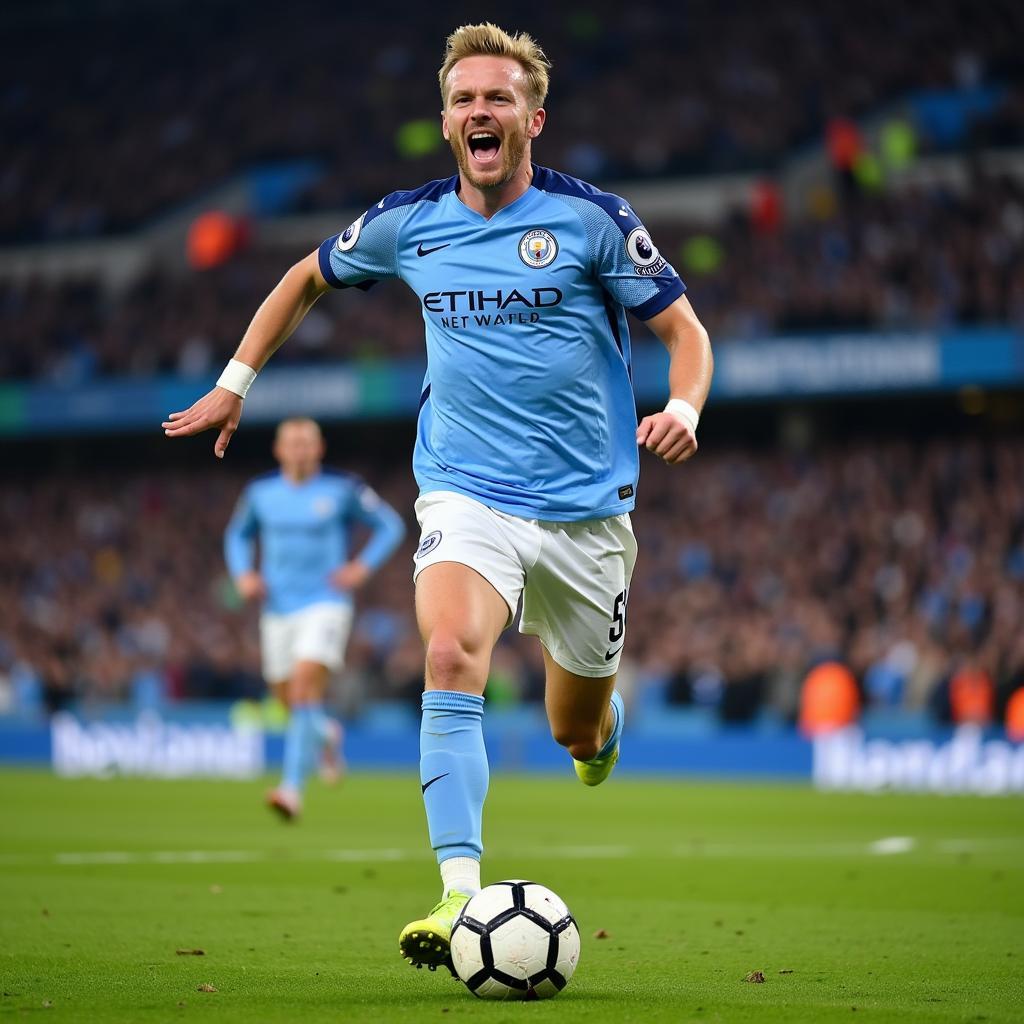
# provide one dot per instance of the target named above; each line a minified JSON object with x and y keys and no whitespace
{"x":431,"y":192}
{"x":620,"y":212}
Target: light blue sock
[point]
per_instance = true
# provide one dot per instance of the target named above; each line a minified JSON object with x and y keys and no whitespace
{"x":321,"y":723}
{"x":300,"y":743}
{"x":620,"y":715}
{"x":453,"y":772}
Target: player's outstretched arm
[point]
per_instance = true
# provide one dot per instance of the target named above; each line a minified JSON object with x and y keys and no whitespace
{"x":672,"y":434}
{"x":282,"y":311}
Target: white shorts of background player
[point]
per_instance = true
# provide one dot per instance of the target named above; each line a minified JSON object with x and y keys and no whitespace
{"x":316,"y":633}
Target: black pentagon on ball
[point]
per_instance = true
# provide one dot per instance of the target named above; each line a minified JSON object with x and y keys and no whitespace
{"x":548,"y":974}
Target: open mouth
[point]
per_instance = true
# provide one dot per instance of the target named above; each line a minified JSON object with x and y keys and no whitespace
{"x":484,"y":146}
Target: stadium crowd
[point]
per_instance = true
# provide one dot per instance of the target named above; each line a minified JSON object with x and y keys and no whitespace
{"x":903,"y":561}
{"x":175,"y":105}
{"x":857,"y":264}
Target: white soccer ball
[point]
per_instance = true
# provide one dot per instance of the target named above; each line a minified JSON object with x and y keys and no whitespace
{"x":515,"y":940}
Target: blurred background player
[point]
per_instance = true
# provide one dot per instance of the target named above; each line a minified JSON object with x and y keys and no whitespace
{"x":302,"y":516}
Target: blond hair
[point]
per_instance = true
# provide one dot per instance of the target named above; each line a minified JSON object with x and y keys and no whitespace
{"x":487,"y":40}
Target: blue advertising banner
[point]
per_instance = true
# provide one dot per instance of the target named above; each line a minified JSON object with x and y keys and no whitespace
{"x":850,"y":364}
{"x":210,"y":742}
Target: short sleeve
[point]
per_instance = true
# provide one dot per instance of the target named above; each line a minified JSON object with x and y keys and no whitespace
{"x":629,"y":265}
{"x":366,"y":251}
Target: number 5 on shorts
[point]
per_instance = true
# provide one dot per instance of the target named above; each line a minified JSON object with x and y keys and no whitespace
{"x":618,"y":628}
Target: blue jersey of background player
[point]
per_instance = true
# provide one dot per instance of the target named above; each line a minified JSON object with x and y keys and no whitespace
{"x":302,"y":518}
{"x":525,"y":451}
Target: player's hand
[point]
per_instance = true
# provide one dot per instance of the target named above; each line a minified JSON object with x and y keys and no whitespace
{"x":668,"y":436}
{"x":351,"y":576}
{"x":217,"y":408}
{"x":251,"y":586}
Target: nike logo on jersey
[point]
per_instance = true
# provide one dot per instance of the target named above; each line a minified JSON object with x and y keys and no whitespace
{"x":611,"y":654}
{"x":427,"y":785}
{"x":420,"y":251}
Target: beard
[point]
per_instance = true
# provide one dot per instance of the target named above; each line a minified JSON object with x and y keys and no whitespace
{"x":513,"y":147}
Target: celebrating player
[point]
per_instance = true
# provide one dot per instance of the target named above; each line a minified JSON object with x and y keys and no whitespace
{"x":526,"y":450}
{"x":302,"y":517}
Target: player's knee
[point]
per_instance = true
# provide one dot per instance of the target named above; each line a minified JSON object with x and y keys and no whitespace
{"x":452,"y":664}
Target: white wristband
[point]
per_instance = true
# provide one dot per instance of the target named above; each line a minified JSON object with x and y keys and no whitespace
{"x":237,"y":378}
{"x":682,"y":410}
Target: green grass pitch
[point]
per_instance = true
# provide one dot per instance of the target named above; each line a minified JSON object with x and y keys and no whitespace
{"x":855,"y":908}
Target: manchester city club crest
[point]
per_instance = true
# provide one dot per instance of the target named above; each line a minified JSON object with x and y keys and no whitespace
{"x":538,"y":248}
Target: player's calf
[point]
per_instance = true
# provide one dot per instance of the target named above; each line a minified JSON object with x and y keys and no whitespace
{"x":594,"y":770}
{"x":582,"y":744}
{"x":332,"y":761}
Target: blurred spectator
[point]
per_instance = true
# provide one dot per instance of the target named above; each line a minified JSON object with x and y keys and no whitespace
{"x":829,"y":699}
{"x":971,"y":695}
{"x":1015,"y":716}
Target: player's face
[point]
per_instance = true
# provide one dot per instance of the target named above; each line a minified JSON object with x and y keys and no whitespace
{"x":299,"y":448}
{"x":488,"y":121}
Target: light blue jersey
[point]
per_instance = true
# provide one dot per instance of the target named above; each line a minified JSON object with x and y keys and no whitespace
{"x":527,"y":403}
{"x":303,"y":531}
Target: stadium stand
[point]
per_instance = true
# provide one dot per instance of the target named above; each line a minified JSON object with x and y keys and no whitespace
{"x":912,"y":574}
{"x":859,"y":264}
{"x":176,"y":105}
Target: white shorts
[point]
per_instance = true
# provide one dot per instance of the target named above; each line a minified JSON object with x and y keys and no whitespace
{"x":318,"y":633}
{"x":573,"y":577}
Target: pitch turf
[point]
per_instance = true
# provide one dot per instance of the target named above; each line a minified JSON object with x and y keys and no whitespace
{"x":855,"y":908}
